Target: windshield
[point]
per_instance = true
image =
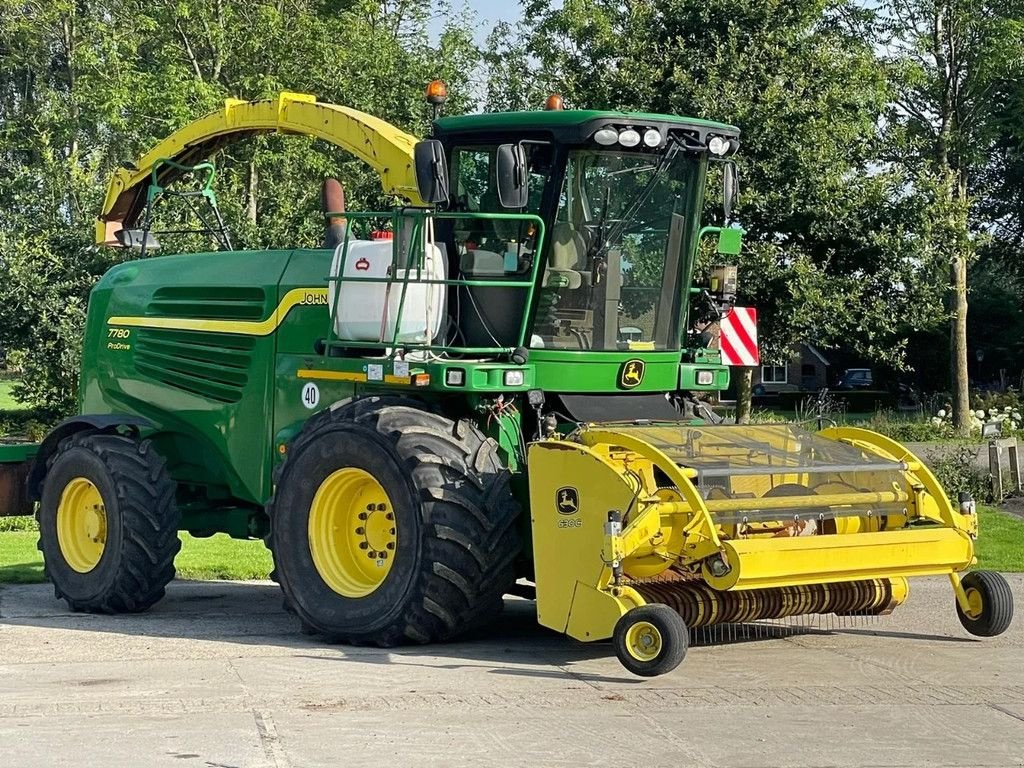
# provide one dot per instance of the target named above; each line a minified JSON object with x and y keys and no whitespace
{"x":613,"y":273}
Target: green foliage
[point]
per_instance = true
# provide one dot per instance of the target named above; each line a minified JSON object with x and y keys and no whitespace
{"x":905,"y":430}
{"x":955,"y":467}
{"x":834,"y":253}
{"x":18,"y":523}
{"x":86,"y":87}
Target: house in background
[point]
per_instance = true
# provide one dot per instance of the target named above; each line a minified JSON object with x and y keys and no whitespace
{"x":806,"y":370}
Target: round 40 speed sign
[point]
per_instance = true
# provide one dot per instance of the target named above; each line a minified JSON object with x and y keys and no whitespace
{"x":311,"y":395}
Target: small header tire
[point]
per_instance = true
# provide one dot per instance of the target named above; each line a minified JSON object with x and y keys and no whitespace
{"x":992,"y":604}
{"x":650,"y":640}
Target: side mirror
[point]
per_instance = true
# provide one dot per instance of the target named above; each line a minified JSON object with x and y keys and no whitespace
{"x":137,"y":240}
{"x":730,"y":189}
{"x":511,"y":174}
{"x":431,"y":172}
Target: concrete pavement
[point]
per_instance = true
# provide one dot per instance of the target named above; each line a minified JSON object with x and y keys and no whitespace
{"x":218,"y":675}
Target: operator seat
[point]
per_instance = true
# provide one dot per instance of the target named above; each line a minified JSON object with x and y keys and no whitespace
{"x":568,"y":253}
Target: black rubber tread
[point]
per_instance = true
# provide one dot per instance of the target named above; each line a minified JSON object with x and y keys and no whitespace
{"x":468,"y":542}
{"x":314,"y":422}
{"x":996,"y":602}
{"x":675,"y":639}
{"x":142,"y":523}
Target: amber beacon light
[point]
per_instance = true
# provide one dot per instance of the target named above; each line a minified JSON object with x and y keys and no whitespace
{"x":437,"y":92}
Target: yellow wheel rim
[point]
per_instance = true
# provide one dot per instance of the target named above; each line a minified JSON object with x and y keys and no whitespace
{"x":975,"y":604}
{"x":352,"y":533}
{"x":81,"y":524}
{"x":643,"y":641}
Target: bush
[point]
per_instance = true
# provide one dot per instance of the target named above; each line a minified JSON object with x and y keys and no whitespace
{"x":32,"y":424}
{"x":956,"y":470}
{"x":910,"y":430}
{"x":18,"y":523}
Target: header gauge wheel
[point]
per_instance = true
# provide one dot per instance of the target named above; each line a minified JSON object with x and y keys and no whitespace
{"x":990,"y":604}
{"x":650,"y":639}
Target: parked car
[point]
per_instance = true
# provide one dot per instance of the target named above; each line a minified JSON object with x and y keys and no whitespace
{"x":856,"y":378}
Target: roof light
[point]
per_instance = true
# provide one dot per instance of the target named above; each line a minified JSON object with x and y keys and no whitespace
{"x":554,"y":102}
{"x":606,"y":136}
{"x":718,"y":146}
{"x":629,"y":138}
{"x":652,"y":137}
{"x":437,"y":92}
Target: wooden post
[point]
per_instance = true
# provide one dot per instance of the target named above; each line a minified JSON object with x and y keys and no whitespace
{"x":995,"y":469}
{"x":1014,"y":466}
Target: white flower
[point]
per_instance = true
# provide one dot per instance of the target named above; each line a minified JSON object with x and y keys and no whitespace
{"x":1007,"y":409}
{"x":1015,"y":416}
{"x":992,"y":411}
{"x":942,"y":413}
{"x":980,"y":414}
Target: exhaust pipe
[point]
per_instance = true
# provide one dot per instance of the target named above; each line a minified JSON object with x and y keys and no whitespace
{"x":332,"y":200}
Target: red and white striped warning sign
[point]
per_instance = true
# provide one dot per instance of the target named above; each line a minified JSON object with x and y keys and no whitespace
{"x":738,"y":338}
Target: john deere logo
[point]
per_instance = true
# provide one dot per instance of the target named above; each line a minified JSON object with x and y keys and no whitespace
{"x":567,"y":500}
{"x":631,"y":374}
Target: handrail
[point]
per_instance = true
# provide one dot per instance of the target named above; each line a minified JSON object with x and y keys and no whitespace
{"x":419,"y":219}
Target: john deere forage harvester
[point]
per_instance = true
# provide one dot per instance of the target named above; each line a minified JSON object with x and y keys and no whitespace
{"x":500,"y":381}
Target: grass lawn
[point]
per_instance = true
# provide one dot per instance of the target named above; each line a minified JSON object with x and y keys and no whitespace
{"x":8,"y":403}
{"x":1001,"y":540}
{"x":217,"y":557}
{"x":1000,"y":548}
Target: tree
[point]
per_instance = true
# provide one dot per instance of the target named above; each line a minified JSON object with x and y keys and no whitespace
{"x":833,"y":254}
{"x":950,"y":59}
{"x":88,"y":85}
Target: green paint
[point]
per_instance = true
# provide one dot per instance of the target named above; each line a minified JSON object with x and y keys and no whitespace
{"x":17,"y":451}
{"x":554,"y":119}
{"x":730,"y":241}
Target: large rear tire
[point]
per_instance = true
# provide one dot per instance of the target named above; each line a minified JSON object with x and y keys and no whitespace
{"x":425,"y":500}
{"x":108,"y":524}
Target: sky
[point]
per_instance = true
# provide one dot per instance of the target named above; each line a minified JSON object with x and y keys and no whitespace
{"x":489,"y":12}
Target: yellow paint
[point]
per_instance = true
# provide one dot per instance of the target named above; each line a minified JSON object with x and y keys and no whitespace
{"x":294,"y":298}
{"x":643,"y":641}
{"x":307,"y":373}
{"x":568,"y":547}
{"x":667,"y":522}
{"x":789,"y":561}
{"x":81,"y":525}
{"x":352,"y":532}
{"x":387,"y":149}
{"x":595,"y":612}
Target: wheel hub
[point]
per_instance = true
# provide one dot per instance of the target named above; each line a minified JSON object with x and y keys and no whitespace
{"x":643,"y":641}
{"x":81,"y":525}
{"x":352,"y":532}
{"x":975,"y":603}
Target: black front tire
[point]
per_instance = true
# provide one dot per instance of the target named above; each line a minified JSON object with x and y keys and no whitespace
{"x":996,"y":599}
{"x":141,"y":523}
{"x":650,"y":640}
{"x":457,"y":540}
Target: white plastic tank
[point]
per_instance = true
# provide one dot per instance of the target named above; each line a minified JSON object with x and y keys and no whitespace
{"x":369,"y":311}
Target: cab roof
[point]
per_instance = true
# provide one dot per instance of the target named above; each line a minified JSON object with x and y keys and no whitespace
{"x":572,"y":124}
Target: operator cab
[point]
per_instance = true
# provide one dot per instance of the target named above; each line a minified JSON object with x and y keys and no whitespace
{"x":620,"y":198}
